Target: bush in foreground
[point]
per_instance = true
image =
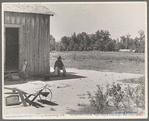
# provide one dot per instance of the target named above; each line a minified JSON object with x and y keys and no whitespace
{"x":119,"y":98}
{"x":115,"y":98}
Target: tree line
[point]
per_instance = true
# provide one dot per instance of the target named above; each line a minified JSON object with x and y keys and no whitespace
{"x":100,"y":40}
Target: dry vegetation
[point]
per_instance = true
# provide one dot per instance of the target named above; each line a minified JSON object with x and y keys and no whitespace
{"x":114,"y":62}
{"x":95,"y":60}
{"x":116,"y":99}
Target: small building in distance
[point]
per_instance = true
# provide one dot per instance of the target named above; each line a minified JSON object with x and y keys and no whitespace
{"x":26,"y":37}
{"x":126,"y":50}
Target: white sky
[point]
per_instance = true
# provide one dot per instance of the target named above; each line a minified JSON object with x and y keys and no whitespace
{"x":120,"y":19}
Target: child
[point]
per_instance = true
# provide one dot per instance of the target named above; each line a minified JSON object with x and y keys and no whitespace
{"x":23,"y":70}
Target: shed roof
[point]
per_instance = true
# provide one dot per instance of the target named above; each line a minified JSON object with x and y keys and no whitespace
{"x":27,"y":8}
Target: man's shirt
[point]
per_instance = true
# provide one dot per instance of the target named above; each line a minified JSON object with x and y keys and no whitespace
{"x":59,"y":64}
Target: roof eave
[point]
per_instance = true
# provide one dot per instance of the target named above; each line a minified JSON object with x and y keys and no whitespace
{"x":31,"y":12}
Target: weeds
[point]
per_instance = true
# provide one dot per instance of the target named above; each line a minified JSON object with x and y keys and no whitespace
{"x":120,"y":99}
{"x":98,"y":102}
{"x":96,"y":60}
{"x":118,"y":56}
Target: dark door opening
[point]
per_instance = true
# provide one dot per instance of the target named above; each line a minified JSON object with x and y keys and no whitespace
{"x":12,"y":49}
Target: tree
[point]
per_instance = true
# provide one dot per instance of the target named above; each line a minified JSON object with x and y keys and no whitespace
{"x":121,"y":45}
{"x":92,"y":38}
{"x":127,"y":41}
{"x":131,"y":44}
{"x":141,"y":33}
{"x":137,"y":44}
{"x":76,"y":47}
{"x":141,"y":47}
{"x":80,"y":39}
{"x":71,"y":44}
{"x":99,"y":34}
{"x":60,"y":47}
{"x":85,"y":40}
{"x":52,"y":42}
{"x":110,"y":46}
{"x":57,"y":46}
{"x":103,"y":37}
{"x":65,"y":42}
{"x":74,"y":38}
{"x":96,"y":45}
{"x":117,"y":46}
{"x":99,"y":45}
{"x":106,"y":38}
{"x":123,"y":42}
{"x":100,"y":41}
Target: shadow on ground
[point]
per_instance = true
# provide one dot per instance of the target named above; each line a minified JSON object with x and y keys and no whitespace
{"x":70,"y":75}
{"x":48,"y":102}
{"x":52,"y":77}
{"x":37,"y":105}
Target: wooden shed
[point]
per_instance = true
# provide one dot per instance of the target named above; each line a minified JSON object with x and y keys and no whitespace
{"x":26,"y":37}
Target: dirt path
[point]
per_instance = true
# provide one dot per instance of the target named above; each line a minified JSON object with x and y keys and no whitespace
{"x":67,"y":94}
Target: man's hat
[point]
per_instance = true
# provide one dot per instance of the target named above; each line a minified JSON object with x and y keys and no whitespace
{"x":59,"y":58}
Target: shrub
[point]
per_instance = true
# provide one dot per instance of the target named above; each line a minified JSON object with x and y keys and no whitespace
{"x":118,"y":98}
{"x":99,"y":101}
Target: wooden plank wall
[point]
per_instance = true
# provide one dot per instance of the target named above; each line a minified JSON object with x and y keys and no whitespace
{"x":40,"y":45}
{"x":34,"y":40}
{"x":48,"y":42}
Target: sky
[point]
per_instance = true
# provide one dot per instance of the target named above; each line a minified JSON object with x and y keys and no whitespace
{"x":118,"y":18}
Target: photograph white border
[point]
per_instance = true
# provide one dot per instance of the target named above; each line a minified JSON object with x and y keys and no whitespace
{"x":81,"y":116}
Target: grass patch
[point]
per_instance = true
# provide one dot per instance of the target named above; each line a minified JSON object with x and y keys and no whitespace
{"x":140,"y":80}
{"x":100,"y":61}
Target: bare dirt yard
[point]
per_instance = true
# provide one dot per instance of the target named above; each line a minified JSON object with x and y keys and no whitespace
{"x":85,"y":71}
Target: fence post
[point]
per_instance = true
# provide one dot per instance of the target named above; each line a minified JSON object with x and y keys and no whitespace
{"x":74,"y":56}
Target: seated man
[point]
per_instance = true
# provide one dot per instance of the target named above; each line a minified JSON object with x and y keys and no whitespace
{"x":59,"y":66}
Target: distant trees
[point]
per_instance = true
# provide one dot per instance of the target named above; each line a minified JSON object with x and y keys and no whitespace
{"x":137,"y":44}
{"x":100,"y":41}
{"x":52,"y":43}
{"x":141,"y":43}
{"x":111,"y":46}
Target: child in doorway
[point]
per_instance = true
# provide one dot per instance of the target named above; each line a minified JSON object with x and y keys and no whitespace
{"x":23,"y":70}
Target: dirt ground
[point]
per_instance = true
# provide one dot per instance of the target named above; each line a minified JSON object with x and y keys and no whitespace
{"x":69,"y":93}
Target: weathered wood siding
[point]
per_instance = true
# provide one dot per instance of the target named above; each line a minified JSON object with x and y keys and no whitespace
{"x":34,"y":42}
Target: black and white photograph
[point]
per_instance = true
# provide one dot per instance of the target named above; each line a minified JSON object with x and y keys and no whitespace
{"x":74,"y":60}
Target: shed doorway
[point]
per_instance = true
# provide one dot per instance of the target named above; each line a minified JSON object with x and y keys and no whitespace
{"x":12,"y":49}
